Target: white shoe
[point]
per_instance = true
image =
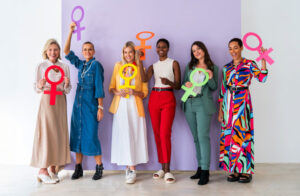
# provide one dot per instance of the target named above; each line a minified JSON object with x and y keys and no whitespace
{"x":54,"y":176}
{"x":169,"y":178}
{"x":131,"y":177}
{"x":45,"y":179}
{"x":158,"y":175}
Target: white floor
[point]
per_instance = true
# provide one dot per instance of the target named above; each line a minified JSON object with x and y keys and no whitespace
{"x":270,"y":179}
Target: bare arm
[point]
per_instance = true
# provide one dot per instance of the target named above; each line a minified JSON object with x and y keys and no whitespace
{"x":149,"y":73}
{"x":100,"y":111}
{"x":68,"y":41}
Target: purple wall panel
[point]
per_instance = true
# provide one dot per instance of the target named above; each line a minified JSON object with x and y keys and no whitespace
{"x":109,"y":24}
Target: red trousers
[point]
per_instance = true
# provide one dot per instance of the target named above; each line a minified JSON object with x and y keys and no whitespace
{"x":162,"y":107}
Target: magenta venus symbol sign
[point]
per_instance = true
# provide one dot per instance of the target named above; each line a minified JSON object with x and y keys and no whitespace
{"x":78,"y":27}
{"x":263,"y":55}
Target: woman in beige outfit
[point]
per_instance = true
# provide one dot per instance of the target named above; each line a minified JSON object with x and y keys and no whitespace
{"x":51,"y":140}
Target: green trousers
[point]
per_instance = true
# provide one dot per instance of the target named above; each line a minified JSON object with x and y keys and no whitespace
{"x":199,"y":123}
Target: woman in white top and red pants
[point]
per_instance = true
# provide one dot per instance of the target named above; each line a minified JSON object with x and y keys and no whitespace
{"x":162,"y":104}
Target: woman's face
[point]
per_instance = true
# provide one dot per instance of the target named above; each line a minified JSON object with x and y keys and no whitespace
{"x":53,"y":53}
{"x":235,"y":50}
{"x":88,"y":51}
{"x":128,"y":54}
{"x":162,"y":49}
{"x":198,"y":52}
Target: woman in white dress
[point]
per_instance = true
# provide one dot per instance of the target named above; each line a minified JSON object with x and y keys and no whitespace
{"x":51,"y":141}
{"x":129,"y":134}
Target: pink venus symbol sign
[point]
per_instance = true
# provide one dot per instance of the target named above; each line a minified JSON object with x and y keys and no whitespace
{"x":53,"y":91}
{"x":78,"y":27}
{"x":263,"y":55}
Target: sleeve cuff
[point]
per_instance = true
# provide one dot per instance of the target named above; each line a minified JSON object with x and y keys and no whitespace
{"x":264,"y":71}
{"x":71,"y":53}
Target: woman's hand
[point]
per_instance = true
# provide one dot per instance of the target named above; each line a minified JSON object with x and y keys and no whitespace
{"x":131,"y":91}
{"x":67,"y":82}
{"x":263,"y":61}
{"x":42,"y":83}
{"x":122,"y":93}
{"x":165,"y":81}
{"x":221,"y":116}
{"x":72,"y":26}
{"x":100,"y":114}
{"x":210,"y":73}
{"x":188,"y":84}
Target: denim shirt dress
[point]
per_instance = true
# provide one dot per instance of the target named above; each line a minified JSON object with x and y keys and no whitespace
{"x":84,"y":125}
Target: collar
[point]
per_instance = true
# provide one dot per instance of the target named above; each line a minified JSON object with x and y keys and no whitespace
{"x":89,"y":62}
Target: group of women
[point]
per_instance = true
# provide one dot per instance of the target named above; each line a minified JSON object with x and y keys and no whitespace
{"x":51,"y":149}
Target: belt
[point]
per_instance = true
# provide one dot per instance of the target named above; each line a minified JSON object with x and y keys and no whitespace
{"x":232,"y":89}
{"x":161,"y":89}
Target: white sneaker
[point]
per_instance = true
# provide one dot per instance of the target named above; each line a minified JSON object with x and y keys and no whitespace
{"x":45,"y":179}
{"x":54,"y":176}
{"x":131,"y":177}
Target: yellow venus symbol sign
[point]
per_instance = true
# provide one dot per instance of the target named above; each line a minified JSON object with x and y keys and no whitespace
{"x":127,"y":79}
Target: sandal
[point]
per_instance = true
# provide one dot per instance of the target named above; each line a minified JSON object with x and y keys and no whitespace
{"x":245,"y":178}
{"x":160,"y":174}
{"x":233,"y":178}
{"x":169,"y":178}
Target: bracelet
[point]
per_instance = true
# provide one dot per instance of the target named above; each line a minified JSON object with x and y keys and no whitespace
{"x":100,"y":107}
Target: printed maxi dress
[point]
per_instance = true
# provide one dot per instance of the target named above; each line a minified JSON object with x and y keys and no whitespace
{"x":237,"y":134}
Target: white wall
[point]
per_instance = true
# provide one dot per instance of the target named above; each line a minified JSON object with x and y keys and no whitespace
{"x":26,"y":25}
{"x":276,"y":109}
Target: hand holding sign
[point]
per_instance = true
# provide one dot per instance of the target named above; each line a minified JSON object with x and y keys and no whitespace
{"x":189,"y":91}
{"x":53,"y":91}
{"x":143,"y":46}
{"x":127,"y":78}
{"x":79,"y":28}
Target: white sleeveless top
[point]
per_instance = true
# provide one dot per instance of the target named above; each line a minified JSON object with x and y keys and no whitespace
{"x":163,"y":69}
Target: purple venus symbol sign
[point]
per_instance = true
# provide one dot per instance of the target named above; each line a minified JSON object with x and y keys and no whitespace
{"x":78,"y":27}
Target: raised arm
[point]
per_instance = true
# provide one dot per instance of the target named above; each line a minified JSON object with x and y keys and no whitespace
{"x":146,"y":76}
{"x":68,"y":41}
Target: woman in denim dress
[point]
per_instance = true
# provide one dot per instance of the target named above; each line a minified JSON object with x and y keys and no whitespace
{"x":87,"y":108}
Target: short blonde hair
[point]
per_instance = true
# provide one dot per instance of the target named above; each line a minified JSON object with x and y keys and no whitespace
{"x":47,"y":45}
{"x":131,"y":45}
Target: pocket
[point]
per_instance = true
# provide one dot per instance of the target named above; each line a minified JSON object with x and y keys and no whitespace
{"x":89,"y":78}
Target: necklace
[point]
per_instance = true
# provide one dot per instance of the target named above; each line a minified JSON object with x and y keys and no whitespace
{"x":84,"y":71}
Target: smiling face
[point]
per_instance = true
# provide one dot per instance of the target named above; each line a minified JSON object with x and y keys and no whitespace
{"x":162,"y":49}
{"x":128,"y":54}
{"x":53,"y":53}
{"x":198,"y":52}
{"x":88,"y":51}
{"x":235,"y":50}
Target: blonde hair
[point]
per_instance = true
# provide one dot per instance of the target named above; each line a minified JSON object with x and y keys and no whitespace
{"x":47,"y":45}
{"x":131,"y":45}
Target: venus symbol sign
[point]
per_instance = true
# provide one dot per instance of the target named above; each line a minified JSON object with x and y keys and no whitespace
{"x":143,"y":43}
{"x":53,"y":91}
{"x":128,"y":76}
{"x":263,"y":55}
{"x":189,"y":91}
{"x":78,"y":27}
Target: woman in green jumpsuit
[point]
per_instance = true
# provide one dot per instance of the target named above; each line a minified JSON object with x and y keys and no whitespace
{"x":198,"y":110}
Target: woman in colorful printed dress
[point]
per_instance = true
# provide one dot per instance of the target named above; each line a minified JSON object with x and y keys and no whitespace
{"x":51,"y":141}
{"x":162,"y":104}
{"x":236,"y":114}
{"x":129,"y":133}
{"x":87,"y":108}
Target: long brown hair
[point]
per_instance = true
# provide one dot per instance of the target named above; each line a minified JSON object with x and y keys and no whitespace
{"x":207,"y":59}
